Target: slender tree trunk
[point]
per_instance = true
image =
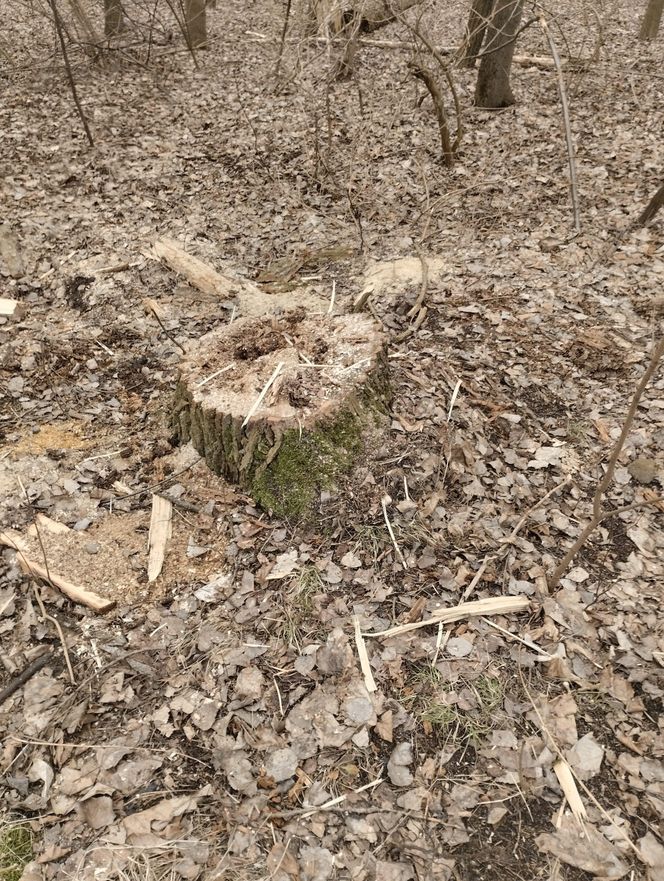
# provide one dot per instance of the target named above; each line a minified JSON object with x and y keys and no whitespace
{"x":480,"y":14}
{"x":195,"y":20}
{"x":493,"y":79}
{"x":113,"y":19}
{"x":332,"y":16}
{"x":651,"y":208}
{"x":651,"y":20}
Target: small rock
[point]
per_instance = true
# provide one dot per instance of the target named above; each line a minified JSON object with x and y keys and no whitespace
{"x":316,"y":863}
{"x":205,"y":714}
{"x":97,"y":812}
{"x":548,"y":244}
{"x":458,"y":647}
{"x":281,"y":765}
{"x":92,"y":547}
{"x":336,"y":656}
{"x":250,"y":683}
{"x":643,"y":470}
{"x":397,"y":766}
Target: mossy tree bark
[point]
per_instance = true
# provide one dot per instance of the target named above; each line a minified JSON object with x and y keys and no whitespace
{"x":328,"y":389}
{"x":493,"y":88}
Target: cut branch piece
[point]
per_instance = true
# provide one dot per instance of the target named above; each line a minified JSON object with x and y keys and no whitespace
{"x":201,"y":275}
{"x":289,"y":418}
{"x":160,"y":533}
{"x":73,"y":591}
{"x":488,"y":606}
{"x":250,"y":299}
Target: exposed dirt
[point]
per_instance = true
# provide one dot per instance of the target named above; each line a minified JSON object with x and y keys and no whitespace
{"x":218,"y":724}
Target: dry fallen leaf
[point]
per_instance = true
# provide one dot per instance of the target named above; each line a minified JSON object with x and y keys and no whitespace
{"x":584,"y":848}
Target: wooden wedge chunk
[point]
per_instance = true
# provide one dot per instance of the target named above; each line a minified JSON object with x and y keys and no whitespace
{"x":160,"y":533}
{"x":72,"y":591}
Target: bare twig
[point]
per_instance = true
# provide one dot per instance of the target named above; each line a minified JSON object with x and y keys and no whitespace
{"x":417,"y":305}
{"x":283,"y":39}
{"x":56,"y":624}
{"x":72,"y":85}
{"x":598,"y":515}
{"x":510,"y":538}
{"x":25,"y":674}
{"x":161,"y":324}
{"x":574,"y":190}
{"x":438,"y":55}
{"x":401,"y":557}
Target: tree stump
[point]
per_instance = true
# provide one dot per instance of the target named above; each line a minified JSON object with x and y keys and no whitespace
{"x":281,"y":404}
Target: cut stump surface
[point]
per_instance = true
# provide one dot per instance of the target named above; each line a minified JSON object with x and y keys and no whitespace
{"x":280,"y":404}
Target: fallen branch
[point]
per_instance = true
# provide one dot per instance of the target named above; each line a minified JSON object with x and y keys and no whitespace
{"x":602,"y":486}
{"x":478,"y":608}
{"x":205,"y":278}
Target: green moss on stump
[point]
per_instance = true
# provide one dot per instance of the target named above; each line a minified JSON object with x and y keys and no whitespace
{"x":283,"y":462}
{"x":305,"y":465}
{"x":284,"y":472}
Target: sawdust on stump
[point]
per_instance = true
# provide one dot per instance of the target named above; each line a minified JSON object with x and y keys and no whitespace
{"x":329,"y":389}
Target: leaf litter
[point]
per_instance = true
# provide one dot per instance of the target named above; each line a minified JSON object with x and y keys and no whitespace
{"x":222,"y":721}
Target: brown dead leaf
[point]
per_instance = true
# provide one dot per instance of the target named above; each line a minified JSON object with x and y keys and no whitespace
{"x":584,"y":848}
{"x":282,"y":863}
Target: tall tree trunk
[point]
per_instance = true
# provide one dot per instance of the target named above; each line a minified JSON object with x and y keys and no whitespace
{"x":195,"y":20}
{"x":651,"y":20}
{"x":493,"y":79}
{"x":480,"y":14}
{"x":113,"y":21}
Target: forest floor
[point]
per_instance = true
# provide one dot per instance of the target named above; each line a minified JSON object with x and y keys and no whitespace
{"x":217,"y":723}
